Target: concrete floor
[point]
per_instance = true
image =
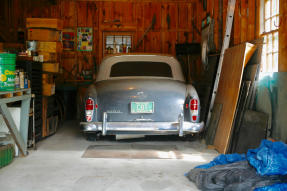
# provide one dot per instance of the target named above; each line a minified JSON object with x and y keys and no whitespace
{"x":57,"y":165}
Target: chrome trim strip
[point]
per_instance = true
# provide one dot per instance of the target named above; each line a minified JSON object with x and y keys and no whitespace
{"x":105,"y":118}
{"x":143,"y":127}
{"x":180,"y":120}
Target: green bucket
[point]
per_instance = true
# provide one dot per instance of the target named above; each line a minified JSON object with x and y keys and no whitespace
{"x":7,"y":71}
{"x":6,"y":154}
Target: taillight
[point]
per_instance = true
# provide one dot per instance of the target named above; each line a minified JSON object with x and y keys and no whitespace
{"x":194,"y":109}
{"x":194,"y":104}
{"x":90,"y":104}
{"x":89,"y":109}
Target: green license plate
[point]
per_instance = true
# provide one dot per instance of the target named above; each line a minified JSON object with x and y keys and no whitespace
{"x":142,"y":107}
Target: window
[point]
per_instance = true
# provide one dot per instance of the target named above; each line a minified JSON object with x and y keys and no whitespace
{"x":117,"y":43}
{"x":269,"y":30}
{"x":157,"y":69}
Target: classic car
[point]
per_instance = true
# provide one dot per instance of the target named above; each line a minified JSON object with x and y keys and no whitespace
{"x":141,"y":94}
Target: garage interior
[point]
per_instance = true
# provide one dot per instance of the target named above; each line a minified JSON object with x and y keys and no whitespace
{"x":232,"y":51}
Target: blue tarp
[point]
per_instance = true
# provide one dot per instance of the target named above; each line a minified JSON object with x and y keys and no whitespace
{"x":269,"y":159}
{"x":274,"y":187}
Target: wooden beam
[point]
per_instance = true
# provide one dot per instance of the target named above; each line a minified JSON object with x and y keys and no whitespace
{"x":135,"y":1}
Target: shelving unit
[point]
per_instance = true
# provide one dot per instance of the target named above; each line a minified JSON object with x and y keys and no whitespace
{"x":49,"y":46}
{"x":20,"y":136}
{"x":34,"y":71}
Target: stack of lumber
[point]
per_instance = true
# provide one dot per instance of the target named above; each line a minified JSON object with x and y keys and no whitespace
{"x":235,"y":126}
{"x":249,"y":126}
{"x":235,"y":60}
{"x":47,"y":33}
{"x":49,"y":82}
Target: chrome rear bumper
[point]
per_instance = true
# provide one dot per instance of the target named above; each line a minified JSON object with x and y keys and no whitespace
{"x":152,"y":128}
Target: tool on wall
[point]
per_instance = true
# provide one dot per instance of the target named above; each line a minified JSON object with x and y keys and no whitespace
{"x":207,"y":40}
{"x":194,"y":30}
{"x":225,"y":45}
{"x":151,"y":27}
{"x":168,"y":21}
{"x":194,"y":27}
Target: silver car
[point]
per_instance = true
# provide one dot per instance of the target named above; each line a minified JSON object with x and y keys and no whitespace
{"x":141,"y":94}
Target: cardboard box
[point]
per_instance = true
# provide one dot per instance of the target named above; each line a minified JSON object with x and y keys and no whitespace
{"x":53,"y":47}
{"x":51,"y":67}
{"x":49,"y":56}
{"x":48,"y":89}
{"x":44,"y":35}
{"x":48,"y":79}
{"x":49,"y":23}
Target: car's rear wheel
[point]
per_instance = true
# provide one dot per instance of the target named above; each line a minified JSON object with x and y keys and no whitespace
{"x":92,"y":136}
{"x":190,"y":137}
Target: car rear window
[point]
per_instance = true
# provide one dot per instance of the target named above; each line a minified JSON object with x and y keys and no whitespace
{"x":157,"y":69}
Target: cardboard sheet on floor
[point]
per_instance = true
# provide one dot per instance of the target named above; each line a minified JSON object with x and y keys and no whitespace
{"x":133,"y":151}
{"x":235,"y":59}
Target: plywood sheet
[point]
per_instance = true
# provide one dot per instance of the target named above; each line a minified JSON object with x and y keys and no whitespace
{"x":235,"y":59}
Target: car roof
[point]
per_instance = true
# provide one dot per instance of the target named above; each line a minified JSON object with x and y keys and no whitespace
{"x":137,"y":54}
{"x":107,"y":62}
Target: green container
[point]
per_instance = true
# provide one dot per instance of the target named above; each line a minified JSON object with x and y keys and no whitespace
{"x":7,"y":71}
{"x":6,"y":155}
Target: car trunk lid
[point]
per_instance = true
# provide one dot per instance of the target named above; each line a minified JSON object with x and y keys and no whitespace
{"x":155,"y":99}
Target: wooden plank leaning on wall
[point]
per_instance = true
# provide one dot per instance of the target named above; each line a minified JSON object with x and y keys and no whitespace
{"x":235,"y":59}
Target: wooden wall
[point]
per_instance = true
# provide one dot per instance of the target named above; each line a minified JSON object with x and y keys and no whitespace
{"x":283,"y":36}
{"x":135,"y":16}
{"x":245,"y":25}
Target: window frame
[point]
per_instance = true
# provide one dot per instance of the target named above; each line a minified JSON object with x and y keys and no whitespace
{"x":122,"y":33}
{"x":268,"y":49}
